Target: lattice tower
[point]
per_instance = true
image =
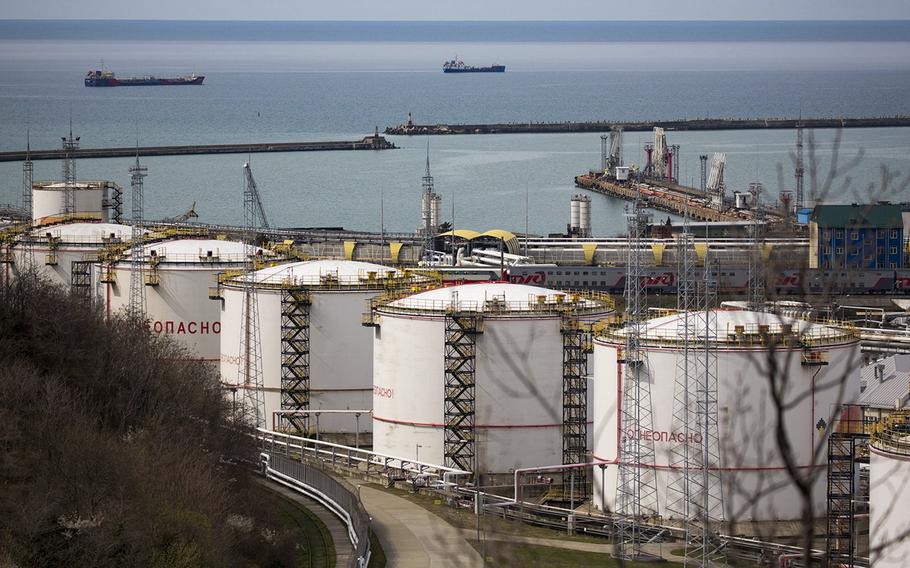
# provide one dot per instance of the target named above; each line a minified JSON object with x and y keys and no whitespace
{"x":70,"y":145}
{"x":683,"y":393}
{"x":250,"y":369}
{"x":26,"y":243}
{"x":757,"y":268}
{"x":800,"y":168}
{"x":137,"y":305}
{"x":636,"y":490}
{"x":706,"y":511}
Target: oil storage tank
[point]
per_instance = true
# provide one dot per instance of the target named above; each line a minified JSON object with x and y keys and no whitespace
{"x":316,"y":354}
{"x":813,"y":360}
{"x":177,"y":277}
{"x":472,"y":375}
{"x":889,"y":498}
{"x":99,"y":200}
{"x":64,"y":253}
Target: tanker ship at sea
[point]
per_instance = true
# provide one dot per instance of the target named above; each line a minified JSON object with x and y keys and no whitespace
{"x":109,"y":79}
{"x":458,"y":66}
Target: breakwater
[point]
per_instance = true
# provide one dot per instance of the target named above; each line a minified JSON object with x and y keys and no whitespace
{"x":374,"y":142}
{"x":642,"y":126}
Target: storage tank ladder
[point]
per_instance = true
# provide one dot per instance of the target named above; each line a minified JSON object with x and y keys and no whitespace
{"x":843,"y":453}
{"x":295,"y":359}
{"x":114,"y":202}
{"x":636,"y":488}
{"x":575,"y":349}
{"x":461,"y":331}
{"x":81,"y":279}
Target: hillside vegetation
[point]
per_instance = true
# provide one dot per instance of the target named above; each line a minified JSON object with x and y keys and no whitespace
{"x":118,"y":450}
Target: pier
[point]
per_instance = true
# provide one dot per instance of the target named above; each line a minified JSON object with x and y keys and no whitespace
{"x":374,"y":142}
{"x":672,"y":200}
{"x":643,"y":126}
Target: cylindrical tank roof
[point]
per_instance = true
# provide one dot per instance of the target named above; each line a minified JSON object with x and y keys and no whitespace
{"x":892,"y":435}
{"x":736,"y":328}
{"x":498,"y":298}
{"x":196,"y":250}
{"x":87,"y":233}
{"x":331,"y":274}
{"x":57,"y":185}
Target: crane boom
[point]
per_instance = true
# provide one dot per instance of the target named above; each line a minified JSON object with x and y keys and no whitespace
{"x":257,"y":200}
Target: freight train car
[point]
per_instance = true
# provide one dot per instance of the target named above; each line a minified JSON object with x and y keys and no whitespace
{"x":730,"y":280}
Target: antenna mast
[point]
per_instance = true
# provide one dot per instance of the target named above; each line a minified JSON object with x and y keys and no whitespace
{"x":636,"y":491}
{"x":137,"y":305}
{"x":250,"y":370}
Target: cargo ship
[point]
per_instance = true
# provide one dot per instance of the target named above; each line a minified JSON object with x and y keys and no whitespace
{"x":458,"y":66}
{"x":109,"y":79}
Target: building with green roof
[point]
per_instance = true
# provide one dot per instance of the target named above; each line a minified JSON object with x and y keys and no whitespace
{"x":869,"y":236}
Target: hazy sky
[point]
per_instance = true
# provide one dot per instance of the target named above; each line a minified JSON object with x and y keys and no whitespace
{"x":457,"y":10}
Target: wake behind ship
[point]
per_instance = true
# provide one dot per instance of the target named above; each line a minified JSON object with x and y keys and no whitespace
{"x":458,"y":66}
{"x":109,"y":79}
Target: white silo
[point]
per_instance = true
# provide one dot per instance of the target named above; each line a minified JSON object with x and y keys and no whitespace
{"x":101,"y":200}
{"x":574,"y":215}
{"x":312,"y":308}
{"x":177,"y":275}
{"x":813,"y":358}
{"x":889,"y":492}
{"x":508,"y":338}
{"x":64,"y":253}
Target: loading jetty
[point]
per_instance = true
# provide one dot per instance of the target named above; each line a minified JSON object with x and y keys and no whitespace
{"x":411,"y":129}
{"x":374,"y":142}
{"x":676,"y":199}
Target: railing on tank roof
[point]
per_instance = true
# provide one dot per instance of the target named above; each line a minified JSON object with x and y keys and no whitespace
{"x":892,"y":434}
{"x":364,"y":280}
{"x":827,"y":332}
{"x":574,"y":302}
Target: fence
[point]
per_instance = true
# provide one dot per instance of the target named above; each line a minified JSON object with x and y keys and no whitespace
{"x":333,"y":494}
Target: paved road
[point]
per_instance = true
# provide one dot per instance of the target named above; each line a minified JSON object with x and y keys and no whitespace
{"x":413,"y":537}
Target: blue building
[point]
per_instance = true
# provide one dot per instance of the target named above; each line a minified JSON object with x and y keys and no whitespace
{"x":856,"y":236}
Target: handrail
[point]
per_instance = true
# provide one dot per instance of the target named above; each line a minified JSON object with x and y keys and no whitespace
{"x":328,"y":491}
{"x":560,"y":303}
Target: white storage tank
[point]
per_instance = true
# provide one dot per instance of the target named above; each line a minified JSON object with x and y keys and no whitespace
{"x":178,"y":275}
{"x":334,"y":295}
{"x":55,"y":249}
{"x":811,"y":356}
{"x":517,"y":362}
{"x":889,"y":497}
{"x":101,"y":200}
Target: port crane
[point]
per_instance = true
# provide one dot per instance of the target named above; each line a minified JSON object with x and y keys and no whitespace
{"x":258,"y":210}
{"x":185,"y":216}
